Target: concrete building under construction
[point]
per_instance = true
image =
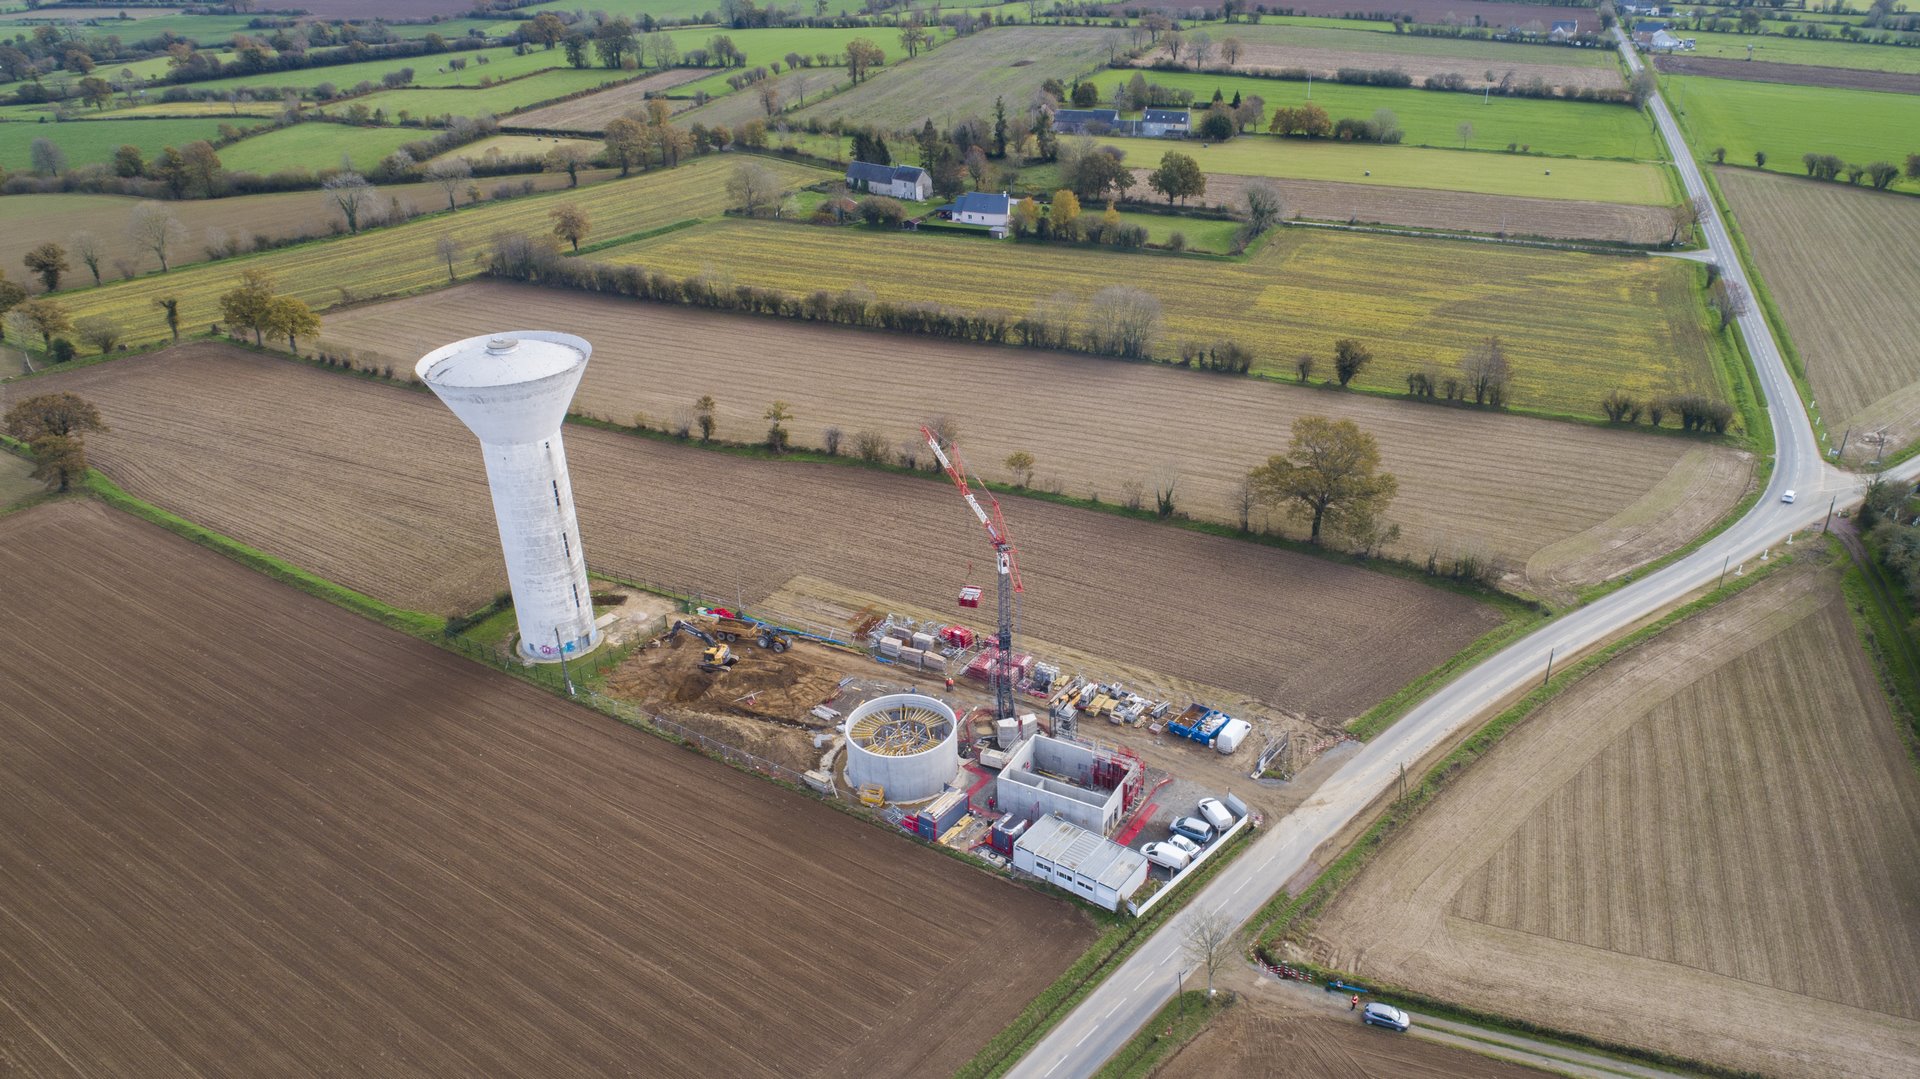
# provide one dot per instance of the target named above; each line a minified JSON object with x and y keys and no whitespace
{"x":1084,"y":785}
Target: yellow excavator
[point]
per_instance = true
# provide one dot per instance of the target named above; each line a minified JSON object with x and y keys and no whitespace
{"x":716,"y":658}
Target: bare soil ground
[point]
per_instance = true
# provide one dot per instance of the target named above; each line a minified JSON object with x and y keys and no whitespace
{"x":1638,"y":496}
{"x":1726,"y":813}
{"x":795,"y":88}
{"x":1265,"y":57}
{"x":592,"y":112}
{"x":1458,"y":211}
{"x":1839,"y":262}
{"x":272,"y":837}
{"x":1433,"y":12}
{"x":16,"y":481}
{"x":382,"y":490}
{"x":1799,"y":74}
{"x":1263,"y":1037}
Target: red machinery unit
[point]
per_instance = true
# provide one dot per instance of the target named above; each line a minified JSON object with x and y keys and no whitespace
{"x":970,"y":596}
{"x":958,"y":636}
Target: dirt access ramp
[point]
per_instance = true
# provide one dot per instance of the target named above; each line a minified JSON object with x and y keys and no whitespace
{"x":1724,"y":814}
{"x":264,"y":836}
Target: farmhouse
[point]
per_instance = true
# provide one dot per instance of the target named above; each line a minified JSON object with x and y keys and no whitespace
{"x":1162,"y":123}
{"x":1657,"y":41}
{"x":1564,"y":31}
{"x":980,"y":208}
{"x":1085,"y":121}
{"x":895,"y":181}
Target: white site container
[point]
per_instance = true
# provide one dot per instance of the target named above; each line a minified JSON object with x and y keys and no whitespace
{"x":512,"y":390}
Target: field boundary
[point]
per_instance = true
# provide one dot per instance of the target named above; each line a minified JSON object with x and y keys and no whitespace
{"x":1878,"y":612}
{"x":1185,"y":1018}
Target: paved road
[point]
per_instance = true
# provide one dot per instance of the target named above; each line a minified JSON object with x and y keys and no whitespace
{"x":1129,"y":997}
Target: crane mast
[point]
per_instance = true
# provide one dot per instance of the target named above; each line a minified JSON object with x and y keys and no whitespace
{"x":1006,"y":565}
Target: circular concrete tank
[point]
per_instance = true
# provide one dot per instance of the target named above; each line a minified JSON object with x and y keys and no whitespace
{"x":906,"y":743}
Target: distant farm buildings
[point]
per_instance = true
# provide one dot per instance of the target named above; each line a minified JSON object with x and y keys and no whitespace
{"x":893,"y":181}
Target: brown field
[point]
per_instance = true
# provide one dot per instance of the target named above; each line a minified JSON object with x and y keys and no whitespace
{"x":27,"y":221}
{"x":271,"y":837}
{"x":1434,"y":12}
{"x":390,"y":499}
{"x":962,"y":78}
{"x":1266,"y":57}
{"x":592,"y":112}
{"x":1458,"y":211}
{"x":1266,"y":1037}
{"x":1725,"y":814}
{"x":732,"y":110}
{"x":1639,"y":496}
{"x":1839,"y":262}
{"x":1799,"y":74}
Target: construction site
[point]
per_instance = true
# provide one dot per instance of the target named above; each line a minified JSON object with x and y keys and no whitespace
{"x":948,"y":730}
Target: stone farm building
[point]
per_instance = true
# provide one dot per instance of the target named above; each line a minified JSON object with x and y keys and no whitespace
{"x":894,"y":181}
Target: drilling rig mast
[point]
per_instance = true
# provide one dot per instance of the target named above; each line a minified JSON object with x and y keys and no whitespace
{"x":1006,"y":562}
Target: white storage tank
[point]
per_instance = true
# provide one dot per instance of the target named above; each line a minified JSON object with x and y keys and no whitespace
{"x":907,"y":743}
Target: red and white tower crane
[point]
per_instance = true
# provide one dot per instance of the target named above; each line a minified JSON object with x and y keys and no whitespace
{"x":1006,"y":561}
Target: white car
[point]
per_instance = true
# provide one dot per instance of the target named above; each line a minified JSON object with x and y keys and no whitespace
{"x":1788,"y":497}
{"x":1185,"y":844}
{"x":1166,"y":855}
{"x":1216,"y":814}
{"x":1386,"y":1015}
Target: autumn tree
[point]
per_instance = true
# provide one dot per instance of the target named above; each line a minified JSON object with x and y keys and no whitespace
{"x":1020,"y":463}
{"x":703,"y":414}
{"x":48,"y":262}
{"x":153,"y":227}
{"x":863,"y":56}
{"x":291,"y":318}
{"x":1063,"y":215}
{"x":1349,"y":357}
{"x":628,"y":143}
{"x":570,"y":223}
{"x":570,"y":158}
{"x":203,"y":166}
{"x":248,"y":304}
{"x":776,"y":416}
{"x":63,"y":415}
{"x":752,"y":186}
{"x":1329,"y":476}
{"x":47,"y":317}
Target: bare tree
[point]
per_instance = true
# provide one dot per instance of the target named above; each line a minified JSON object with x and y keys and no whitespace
{"x":1261,"y":202}
{"x":351,"y":192}
{"x":1728,"y":299}
{"x":153,"y":227}
{"x":1205,"y":942}
{"x":1123,"y":321}
{"x":448,"y":248}
{"x":88,"y":249}
{"x":1487,"y":372}
{"x":452,"y":175}
{"x":751,"y":186}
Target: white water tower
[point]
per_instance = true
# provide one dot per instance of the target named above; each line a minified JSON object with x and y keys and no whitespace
{"x":512,"y":390}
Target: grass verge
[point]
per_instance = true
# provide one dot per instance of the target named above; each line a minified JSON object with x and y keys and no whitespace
{"x":1171,"y":1028}
{"x":1880,"y":614}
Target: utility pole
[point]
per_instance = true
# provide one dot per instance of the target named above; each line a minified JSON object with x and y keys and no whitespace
{"x":1723,"y":573}
{"x":1549,"y":677}
{"x":1843,"y":443}
{"x":1830,"y":505}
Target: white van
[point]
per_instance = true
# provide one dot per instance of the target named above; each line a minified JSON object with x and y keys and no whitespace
{"x":1166,"y":855}
{"x":1216,"y":814}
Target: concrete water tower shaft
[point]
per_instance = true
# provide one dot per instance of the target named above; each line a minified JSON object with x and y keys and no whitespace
{"x":512,"y":389}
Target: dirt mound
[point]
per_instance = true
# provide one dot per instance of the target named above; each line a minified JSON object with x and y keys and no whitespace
{"x":666,"y":677}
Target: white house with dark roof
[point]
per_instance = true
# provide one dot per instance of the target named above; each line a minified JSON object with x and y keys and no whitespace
{"x":1165,"y":123}
{"x":985,"y":209}
{"x":1564,"y":31}
{"x":1085,"y":121}
{"x":894,"y":181}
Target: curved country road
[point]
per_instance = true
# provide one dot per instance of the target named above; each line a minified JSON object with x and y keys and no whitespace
{"x":1130,"y":995}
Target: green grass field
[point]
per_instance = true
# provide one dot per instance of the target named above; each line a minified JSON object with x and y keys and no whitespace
{"x":516,"y":146}
{"x":765,"y":46}
{"x":1576,"y":326}
{"x":1379,"y":37}
{"x":659,"y":9}
{"x":497,"y":100}
{"x":1433,"y":118}
{"x":1413,"y":166}
{"x":1775,"y":49}
{"x":1202,"y":233}
{"x":1787,"y":121}
{"x":315,"y":146}
{"x":403,"y":258}
{"x":88,"y":141}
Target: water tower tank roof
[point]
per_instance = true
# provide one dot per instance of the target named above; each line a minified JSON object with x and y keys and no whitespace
{"x":503,"y":359}
{"x":509,"y":387}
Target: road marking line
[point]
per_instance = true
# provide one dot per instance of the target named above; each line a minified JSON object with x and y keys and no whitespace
{"x":1110,"y":1011}
{"x":1055,"y":1068}
{"x":1083,"y":1038}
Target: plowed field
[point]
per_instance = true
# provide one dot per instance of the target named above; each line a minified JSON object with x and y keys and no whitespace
{"x":1458,"y":211}
{"x":1839,"y":262}
{"x":270,"y":837}
{"x":592,"y":112}
{"x":1726,"y":813}
{"x":1637,"y":497}
{"x":383,"y":490}
{"x":1259,"y":56}
{"x":960,"y":79}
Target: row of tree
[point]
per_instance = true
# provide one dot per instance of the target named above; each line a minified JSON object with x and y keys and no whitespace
{"x":1694,"y":413}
